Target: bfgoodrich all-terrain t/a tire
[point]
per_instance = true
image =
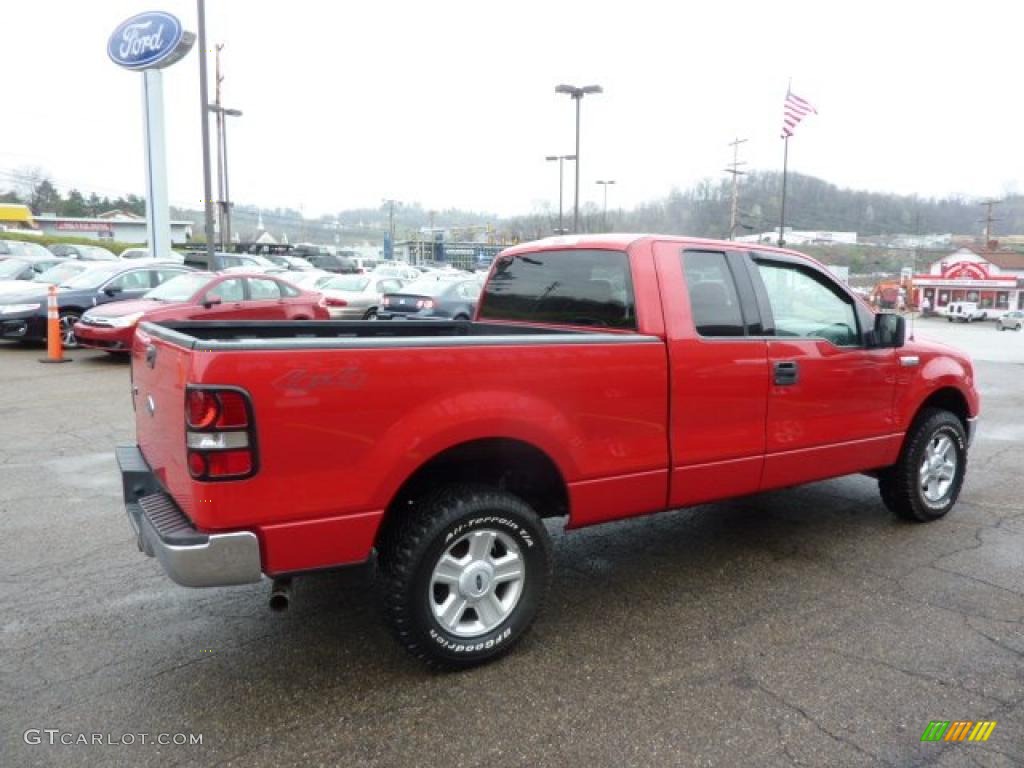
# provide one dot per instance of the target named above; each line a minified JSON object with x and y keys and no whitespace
{"x":924,"y":484}
{"x":464,"y":576}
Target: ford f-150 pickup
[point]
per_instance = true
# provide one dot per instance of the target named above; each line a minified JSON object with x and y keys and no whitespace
{"x":602,"y":378}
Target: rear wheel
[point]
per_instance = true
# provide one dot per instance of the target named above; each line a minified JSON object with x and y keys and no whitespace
{"x":464,"y":577}
{"x":67,"y":329}
{"x":461,"y":317}
{"x":924,"y":484}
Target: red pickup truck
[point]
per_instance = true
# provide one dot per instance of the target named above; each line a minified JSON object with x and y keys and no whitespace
{"x":603,"y":377}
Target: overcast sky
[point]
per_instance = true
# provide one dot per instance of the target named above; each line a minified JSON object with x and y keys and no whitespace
{"x":453,"y":104}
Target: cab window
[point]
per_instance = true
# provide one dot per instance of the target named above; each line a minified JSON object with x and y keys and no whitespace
{"x":714,"y":302}
{"x":572,"y":287}
{"x":806,"y":304}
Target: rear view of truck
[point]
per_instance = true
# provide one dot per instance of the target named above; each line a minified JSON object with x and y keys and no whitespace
{"x":272,"y":449}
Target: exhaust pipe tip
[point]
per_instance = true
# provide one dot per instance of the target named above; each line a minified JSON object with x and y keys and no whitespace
{"x":280,"y":595}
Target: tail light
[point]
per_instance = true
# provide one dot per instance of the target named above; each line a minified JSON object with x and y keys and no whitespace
{"x":220,"y":434}
{"x":425,"y":304}
{"x":332,"y":302}
{"x":386,"y":302}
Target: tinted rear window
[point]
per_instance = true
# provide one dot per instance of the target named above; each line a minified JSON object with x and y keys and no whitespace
{"x":571,"y":287}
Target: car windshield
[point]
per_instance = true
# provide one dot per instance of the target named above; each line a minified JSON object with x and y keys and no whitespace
{"x":92,"y":277}
{"x":180,"y":288}
{"x":346,"y":283}
{"x":58,"y":274}
{"x":11,"y":268}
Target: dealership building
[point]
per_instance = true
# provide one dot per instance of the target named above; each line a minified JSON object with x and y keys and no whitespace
{"x":992,"y":278}
{"x":115,"y":225}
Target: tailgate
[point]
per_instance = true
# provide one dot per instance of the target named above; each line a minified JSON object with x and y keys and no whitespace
{"x":159,"y":372}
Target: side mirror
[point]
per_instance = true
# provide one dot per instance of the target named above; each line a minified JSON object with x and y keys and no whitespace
{"x":212,"y":301}
{"x":890,"y":331}
{"x":113,"y":290}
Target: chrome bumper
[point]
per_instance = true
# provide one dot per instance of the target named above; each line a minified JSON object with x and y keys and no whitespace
{"x":190,"y":557}
{"x":972,"y":430}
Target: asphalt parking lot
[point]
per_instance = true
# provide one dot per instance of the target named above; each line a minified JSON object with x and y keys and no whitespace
{"x":805,"y":627}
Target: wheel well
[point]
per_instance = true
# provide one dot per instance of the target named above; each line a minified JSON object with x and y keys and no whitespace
{"x":511,"y":465}
{"x":948,"y":399}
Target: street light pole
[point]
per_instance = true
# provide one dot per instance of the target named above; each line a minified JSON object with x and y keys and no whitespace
{"x":604,"y":217}
{"x":577,"y":93}
{"x":560,"y":159}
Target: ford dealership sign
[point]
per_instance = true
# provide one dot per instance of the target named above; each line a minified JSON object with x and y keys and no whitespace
{"x":149,"y":41}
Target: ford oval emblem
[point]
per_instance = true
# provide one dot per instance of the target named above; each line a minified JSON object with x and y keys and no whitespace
{"x":149,"y":41}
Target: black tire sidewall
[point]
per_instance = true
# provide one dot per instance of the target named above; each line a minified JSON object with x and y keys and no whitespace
{"x":532,"y":542}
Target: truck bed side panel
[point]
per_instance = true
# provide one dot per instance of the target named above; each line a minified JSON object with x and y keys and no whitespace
{"x":340,"y":429}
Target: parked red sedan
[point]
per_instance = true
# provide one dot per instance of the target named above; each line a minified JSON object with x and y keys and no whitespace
{"x":199,"y":296}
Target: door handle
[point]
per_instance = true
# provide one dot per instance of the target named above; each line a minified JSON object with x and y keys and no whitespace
{"x":786,"y":373}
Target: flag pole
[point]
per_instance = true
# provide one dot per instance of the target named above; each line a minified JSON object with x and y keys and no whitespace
{"x":782,"y":214}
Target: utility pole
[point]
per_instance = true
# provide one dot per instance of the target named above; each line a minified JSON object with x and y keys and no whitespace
{"x":391,"y":227}
{"x":204,"y":101}
{"x":989,"y":218}
{"x":734,"y":169}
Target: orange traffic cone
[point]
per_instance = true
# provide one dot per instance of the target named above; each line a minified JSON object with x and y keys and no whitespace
{"x":54,"y":340}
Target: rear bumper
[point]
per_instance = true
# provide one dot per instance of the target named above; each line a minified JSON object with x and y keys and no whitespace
{"x":189,"y":556}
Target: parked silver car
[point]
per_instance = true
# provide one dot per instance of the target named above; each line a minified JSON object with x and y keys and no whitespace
{"x":356,"y":297}
{"x":1011,"y":321}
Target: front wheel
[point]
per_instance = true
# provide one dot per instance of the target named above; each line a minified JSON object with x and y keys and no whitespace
{"x":464,"y":576}
{"x":371,"y":314}
{"x":924,"y":484}
{"x":67,"y":329}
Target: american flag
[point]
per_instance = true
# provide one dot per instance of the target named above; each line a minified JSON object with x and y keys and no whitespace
{"x":794,"y":110}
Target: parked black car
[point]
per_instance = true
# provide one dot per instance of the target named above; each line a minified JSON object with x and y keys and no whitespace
{"x":222,"y":261}
{"x":83,"y":252}
{"x":430,"y":298}
{"x":23,"y":315}
{"x":331,"y":263}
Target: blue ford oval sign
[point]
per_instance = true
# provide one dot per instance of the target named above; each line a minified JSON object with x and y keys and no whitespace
{"x":149,"y":41}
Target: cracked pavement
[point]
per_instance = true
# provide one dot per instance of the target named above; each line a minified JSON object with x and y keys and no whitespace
{"x":804,"y":627}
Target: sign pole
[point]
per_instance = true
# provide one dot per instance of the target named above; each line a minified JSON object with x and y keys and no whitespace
{"x":158,"y":220}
